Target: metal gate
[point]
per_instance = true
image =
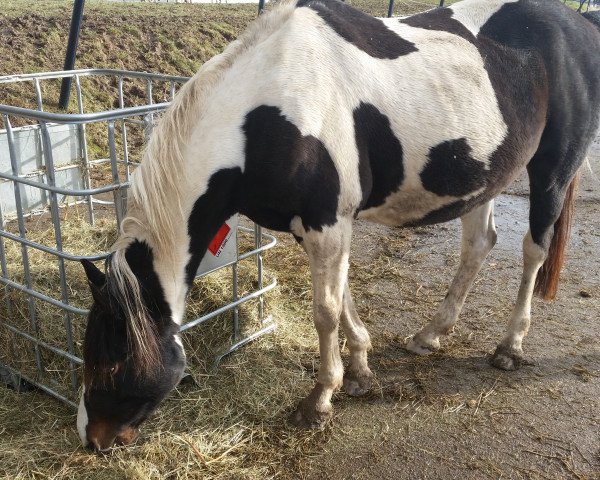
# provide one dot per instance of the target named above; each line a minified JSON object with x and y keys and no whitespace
{"x":63,"y":184}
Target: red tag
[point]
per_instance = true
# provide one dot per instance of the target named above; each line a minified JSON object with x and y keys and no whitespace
{"x":220,"y":237}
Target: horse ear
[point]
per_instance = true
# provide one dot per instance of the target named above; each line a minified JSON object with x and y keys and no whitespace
{"x":96,"y":278}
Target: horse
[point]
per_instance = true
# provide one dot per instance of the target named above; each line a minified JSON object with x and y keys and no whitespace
{"x":319,"y":114}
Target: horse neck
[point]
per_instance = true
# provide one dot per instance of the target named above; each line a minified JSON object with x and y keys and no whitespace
{"x":178,"y":248}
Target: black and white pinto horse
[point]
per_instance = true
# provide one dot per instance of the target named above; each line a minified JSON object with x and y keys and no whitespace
{"x":319,"y":114}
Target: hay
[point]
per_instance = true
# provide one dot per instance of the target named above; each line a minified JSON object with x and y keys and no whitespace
{"x":231,"y":424}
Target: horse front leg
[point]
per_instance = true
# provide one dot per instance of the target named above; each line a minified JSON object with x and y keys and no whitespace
{"x":478,"y":238}
{"x":328,"y":253}
{"x":358,"y":377}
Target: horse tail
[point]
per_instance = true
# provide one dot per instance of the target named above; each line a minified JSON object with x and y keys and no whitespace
{"x":546,"y":282}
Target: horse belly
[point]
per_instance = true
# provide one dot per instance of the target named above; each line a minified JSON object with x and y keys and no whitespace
{"x":414,"y":206}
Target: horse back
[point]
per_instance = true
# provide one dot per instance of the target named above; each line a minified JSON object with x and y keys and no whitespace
{"x":402,"y":121}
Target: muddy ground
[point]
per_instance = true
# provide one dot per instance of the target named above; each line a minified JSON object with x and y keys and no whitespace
{"x":452,"y":415}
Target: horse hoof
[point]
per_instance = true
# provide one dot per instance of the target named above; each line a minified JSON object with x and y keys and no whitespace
{"x":415,"y":345}
{"x":309,"y":418}
{"x":509,"y":359}
{"x":357,"y":384}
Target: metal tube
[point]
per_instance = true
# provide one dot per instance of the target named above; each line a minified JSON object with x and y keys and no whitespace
{"x":124,"y":131}
{"x":259,"y":268}
{"x":22,"y":232}
{"x":226,"y":308}
{"x":63,"y":191}
{"x":391,"y":8}
{"x":250,"y":338}
{"x":236,"y":311}
{"x":74,"y":118}
{"x":117,"y":193}
{"x":38,"y":95}
{"x":4,"y":267}
{"x":91,"y":72}
{"x":49,"y":161}
{"x":65,"y":88}
{"x":84,"y":152}
{"x":45,"y":298}
{"x":36,"y":341}
{"x":52,"y":251}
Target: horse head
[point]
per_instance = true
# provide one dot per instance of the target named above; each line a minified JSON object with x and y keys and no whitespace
{"x":132,"y":354}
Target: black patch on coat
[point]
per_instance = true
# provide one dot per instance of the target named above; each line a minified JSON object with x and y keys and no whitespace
{"x":365,"y":32}
{"x":380,"y":156}
{"x":286,"y":174}
{"x":210,"y":211}
{"x":567,"y":85}
{"x":452,"y":171}
{"x":439,"y":19}
{"x":140,"y":258}
{"x":548,"y":100}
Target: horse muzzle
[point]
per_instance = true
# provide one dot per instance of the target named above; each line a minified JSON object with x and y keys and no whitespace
{"x":103,"y":436}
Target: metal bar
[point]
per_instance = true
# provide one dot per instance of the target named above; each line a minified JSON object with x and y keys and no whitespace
{"x":44,"y":388}
{"x":391,"y":8}
{"x":38,"y":95}
{"x":45,"y":298}
{"x":228,"y":307}
{"x":83,"y":151}
{"x":63,"y":191}
{"x":65,"y":88}
{"x":124,"y":131}
{"x":74,"y":118}
{"x":117,"y":194}
{"x":55,"y":213}
{"x":90,"y":72}
{"x":259,"y":268}
{"x":40,"y":343}
{"x":236,"y":346}
{"x":4,"y":267}
{"x":148,"y":118}
{"x":234,"y":288}
{"x":52,"y":251}
{"x":22,"y":233}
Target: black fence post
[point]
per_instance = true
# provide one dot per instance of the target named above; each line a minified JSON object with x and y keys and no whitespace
{"x":65,"y":88}
{"x":261,"y":6}
{"x":441,"y":3}
{"x":391,"y":8}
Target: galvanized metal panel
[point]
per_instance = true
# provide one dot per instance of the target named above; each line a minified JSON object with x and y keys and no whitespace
{"x":28,"y":148}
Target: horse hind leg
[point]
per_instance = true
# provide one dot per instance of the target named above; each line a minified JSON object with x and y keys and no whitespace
{"x":328,"y":253}
{"x":478,"y":238}
{"x":543,"y":255}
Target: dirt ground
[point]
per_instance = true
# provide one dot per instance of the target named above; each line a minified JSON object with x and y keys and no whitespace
{"x":452,"y":415}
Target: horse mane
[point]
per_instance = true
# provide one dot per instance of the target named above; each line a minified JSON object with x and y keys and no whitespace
{"x":155,"y":207}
